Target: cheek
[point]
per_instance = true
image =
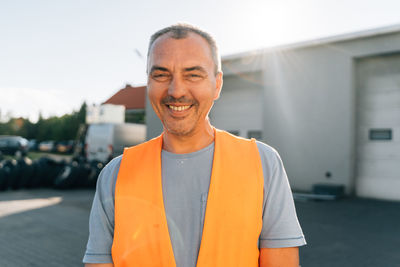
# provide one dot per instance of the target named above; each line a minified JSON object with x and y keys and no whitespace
{"x":154,"y":101}
{"x":154,"y":93}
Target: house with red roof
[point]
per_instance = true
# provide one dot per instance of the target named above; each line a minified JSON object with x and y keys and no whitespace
{"x":134,"y":100}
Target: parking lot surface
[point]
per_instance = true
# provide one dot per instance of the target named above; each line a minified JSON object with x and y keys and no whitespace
{"x":47,"y":227}
{"x":350,"y":232}
{"x":43,"y":227}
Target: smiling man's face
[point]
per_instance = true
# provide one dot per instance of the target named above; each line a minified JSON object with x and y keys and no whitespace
{"x":182,"y":84}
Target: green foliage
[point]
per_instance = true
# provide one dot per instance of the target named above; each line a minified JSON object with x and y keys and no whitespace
{"x":53,"y":128}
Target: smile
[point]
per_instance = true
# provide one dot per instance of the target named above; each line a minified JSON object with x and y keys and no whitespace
{"x":178,"y":108}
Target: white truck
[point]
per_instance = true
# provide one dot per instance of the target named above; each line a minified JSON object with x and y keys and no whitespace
{"x":105,"y":141}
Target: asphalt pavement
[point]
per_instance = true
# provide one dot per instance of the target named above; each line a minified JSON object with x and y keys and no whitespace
{"x":45,"y":227}
{"x":350,"y":232}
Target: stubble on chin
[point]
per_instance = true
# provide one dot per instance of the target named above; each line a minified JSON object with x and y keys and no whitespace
{"x":178,"y":130}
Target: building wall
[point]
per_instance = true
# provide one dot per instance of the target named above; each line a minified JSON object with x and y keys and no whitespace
{"x":154,"y":126}
{"x":309,"y":105}
{"x":308,"y":114}
{"x":239,"y":108}
{"x":309,"y":111}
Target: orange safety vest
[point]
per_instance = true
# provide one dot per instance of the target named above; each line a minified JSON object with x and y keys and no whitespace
{"x":233,"y":218}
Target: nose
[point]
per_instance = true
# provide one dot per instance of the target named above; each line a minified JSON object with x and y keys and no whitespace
{"x":177,"y":88}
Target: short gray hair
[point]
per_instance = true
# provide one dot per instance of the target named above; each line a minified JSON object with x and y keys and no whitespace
{"x":181,"y":31}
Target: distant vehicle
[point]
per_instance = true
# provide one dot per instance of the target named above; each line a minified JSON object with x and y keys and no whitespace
{"x":46,"y":146}
{"x":13,"y":145}
{"x":33,"y":145}
{"x":65,"y":146}
{"x":105,"y":141}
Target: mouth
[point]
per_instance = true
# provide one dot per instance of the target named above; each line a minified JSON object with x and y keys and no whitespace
{"x":179,"y":108}
{"x":179,"y":111}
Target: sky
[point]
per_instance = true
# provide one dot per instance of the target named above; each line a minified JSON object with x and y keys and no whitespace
{"x":55,"y":54}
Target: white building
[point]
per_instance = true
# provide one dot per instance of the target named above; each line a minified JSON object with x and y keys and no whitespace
{"x":331,"y":107}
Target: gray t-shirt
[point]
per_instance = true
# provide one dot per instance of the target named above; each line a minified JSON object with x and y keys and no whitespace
{"x":185,"y":181}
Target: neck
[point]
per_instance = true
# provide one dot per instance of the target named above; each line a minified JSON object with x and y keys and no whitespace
{"x":188,"y":143}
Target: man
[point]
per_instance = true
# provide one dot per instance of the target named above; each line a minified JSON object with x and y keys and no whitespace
{"x":195,"y":196}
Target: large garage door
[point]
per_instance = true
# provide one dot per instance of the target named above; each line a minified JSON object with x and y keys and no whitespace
{"x":239,"y":108}
{"x":378,"y":133}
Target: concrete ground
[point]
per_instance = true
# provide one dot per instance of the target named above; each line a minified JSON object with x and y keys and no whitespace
{"x":49,"y":228}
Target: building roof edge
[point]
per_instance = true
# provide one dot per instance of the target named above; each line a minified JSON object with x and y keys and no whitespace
{"x":319,"y":41}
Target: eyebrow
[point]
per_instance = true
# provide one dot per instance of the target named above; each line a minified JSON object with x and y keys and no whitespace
{"x":194,"y":68}
{"x":198,"y":68}
{"x":154,"y":68}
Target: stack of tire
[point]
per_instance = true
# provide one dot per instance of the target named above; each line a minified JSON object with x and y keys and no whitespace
{"x":7,"y":173}
{"x":46,"y":172}
{"x":24,"y":173}
{"x":78,"y":175}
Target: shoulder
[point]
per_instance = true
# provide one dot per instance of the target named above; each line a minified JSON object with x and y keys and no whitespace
{"x":268,"y":154}
{"x":113,"y":166}
{"x":227,"y":141}
{"x":273,"y":169}
{"x":108,"y":177}
{"x":150,"y":144}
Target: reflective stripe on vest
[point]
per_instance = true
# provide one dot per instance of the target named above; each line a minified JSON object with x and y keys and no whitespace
{"x":233,"y":218}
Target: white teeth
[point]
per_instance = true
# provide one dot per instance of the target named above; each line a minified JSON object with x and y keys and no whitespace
{"x":178,"y":108}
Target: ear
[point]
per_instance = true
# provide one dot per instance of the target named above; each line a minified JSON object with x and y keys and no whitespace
{"x":218,"y":85}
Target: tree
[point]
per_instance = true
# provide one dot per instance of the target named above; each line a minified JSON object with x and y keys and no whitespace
{"x":53,"y":128}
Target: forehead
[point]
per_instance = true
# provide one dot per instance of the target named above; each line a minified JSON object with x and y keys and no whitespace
{"x":193,"y":49}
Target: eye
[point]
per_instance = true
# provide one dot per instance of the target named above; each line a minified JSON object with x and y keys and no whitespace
{"x":193,"y":77}
{"x":160,"y":76}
